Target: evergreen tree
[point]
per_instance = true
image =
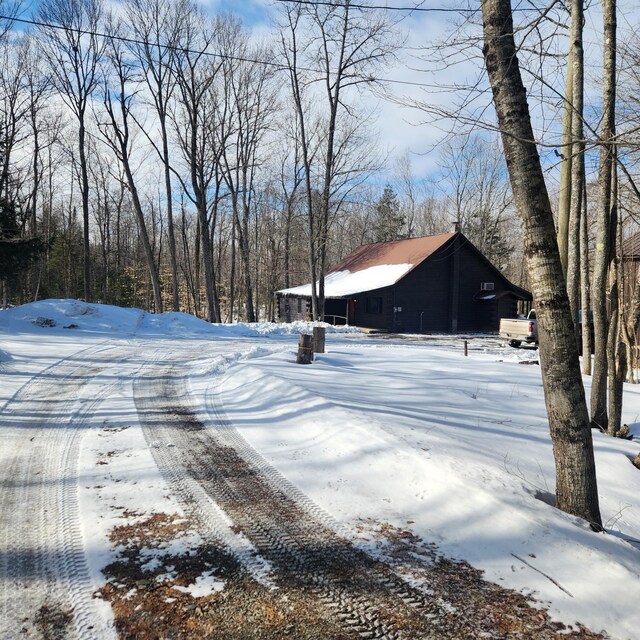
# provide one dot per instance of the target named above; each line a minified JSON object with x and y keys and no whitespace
{"x":16,"y":253}
{"x":389,"y":221}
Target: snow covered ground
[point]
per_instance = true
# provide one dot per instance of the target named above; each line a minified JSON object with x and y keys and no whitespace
{"x":409,"y":433}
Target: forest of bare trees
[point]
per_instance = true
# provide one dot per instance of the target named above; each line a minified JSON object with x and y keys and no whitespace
{"x":169,"y":159}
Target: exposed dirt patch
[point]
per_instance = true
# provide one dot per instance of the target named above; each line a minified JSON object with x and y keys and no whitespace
{"x":490,"y":611}
{"x":146,"y":603}
{"x":52,"y":623}
{"x":144,"y":590}
{"x":111,"y":430}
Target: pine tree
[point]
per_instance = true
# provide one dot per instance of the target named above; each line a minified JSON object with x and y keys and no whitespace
{"x":16,"y":253}
{"x":389,"y":221}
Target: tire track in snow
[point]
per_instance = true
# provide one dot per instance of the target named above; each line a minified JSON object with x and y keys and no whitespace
{"x":159,"y":430}
{"x":295,"y":536}
{"x":43,"y":568}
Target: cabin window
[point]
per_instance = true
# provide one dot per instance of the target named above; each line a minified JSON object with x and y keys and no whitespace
{"x":299,"y":305}
{"x":487,"y":286}
{"x":374,"y":304}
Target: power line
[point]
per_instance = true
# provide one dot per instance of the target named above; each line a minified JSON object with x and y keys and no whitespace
{"x":377,"y":7}
{"x":222,"y":56}
{"x":328,"y":3}
{"x":119,"y":38}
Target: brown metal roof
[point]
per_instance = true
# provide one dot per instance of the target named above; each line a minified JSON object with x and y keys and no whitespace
{"x":412,"y":251}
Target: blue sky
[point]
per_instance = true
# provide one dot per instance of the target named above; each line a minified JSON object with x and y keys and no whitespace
{"x":402,"y":128}
{"x":253,"y":12}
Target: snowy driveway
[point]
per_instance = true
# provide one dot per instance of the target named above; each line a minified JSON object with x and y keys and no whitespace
{"x":161,"y":480}
{"x":44,"y":570}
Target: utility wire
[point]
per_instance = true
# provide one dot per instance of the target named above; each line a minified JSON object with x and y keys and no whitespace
{"x":352,"y":5}
{"x":417,"y":8}
{"x":222,"y":56}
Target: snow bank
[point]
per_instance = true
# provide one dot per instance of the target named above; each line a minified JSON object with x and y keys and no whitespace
{"x":68,"y":315}
{"x":457,"y":450}
{"x":73,"y":315}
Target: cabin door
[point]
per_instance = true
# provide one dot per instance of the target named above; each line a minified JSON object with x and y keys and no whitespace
{"x":351,"y":312}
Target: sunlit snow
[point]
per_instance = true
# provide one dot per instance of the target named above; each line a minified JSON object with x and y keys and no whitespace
{"x":346,"y":283}
{"x":407,"y":431}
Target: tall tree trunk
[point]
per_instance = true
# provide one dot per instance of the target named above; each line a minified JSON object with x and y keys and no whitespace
{"x":576,"y":487}
{"x":146,"y":244}
{"x":564,"y":201}
{"x":232,"y":281}
{"x":207,"y":260}
{"x":197,"y":268}
{"x":242,"y":225}
{"x":616,"y":360}
{"x":287,"y":244}
{"x":577,"y":161}
{"x":84,"y":190}
{"x":585,"y":293}
{"x":175,"y":285}
{"x":333,"y":88}
{"x":602,"y":259}
{"x":296,"y":90}
{"x":35,"y":167}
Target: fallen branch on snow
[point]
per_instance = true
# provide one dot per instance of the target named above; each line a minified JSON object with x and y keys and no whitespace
{"x":542,"y":573}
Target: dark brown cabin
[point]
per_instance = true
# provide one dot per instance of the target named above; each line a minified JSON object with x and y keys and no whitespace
{"x":630,"y":254}
{"x":433,"y":284}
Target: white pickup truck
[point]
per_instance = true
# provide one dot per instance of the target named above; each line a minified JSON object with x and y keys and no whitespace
{"x":519,"y":330}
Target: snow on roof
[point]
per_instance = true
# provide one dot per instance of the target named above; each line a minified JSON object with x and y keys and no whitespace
{"x":346,"y":283}
{"x":374,"y":266}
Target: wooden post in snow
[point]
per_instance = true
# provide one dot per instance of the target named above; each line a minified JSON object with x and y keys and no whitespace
{"x":466,"y":348}
{"x":319,"y":334}
{"x":305,"y":349}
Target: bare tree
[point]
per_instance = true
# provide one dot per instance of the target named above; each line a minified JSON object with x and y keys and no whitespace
{"x":117,"y":135}
{"x":577,"y":160}
{"x":616,"y":349}
{"x":38,"y":88}
{"x":195,"y":117}
{"x":290,"y":177}
{"x":585,"y":282}
{"x":10,"y":9}
{"x":576,"y":487}
{"x":252,"y":105}
{"x":291,"y":47}
{"x":74,"y":49}
{"x":408,"y":192}
{"x":478,"y":194}
{"x":14,"y":112}
{"x":346,"y":46}
{"x":564,"y":200}
{"x":156,"y":25}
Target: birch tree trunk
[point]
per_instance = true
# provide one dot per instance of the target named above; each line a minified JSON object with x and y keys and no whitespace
{"x":599,"y":417}
{"x":577,"y":161}
{"x":576,"y":487}
{"x":564,"y":201}
{"x":616,"y":355}
{"x":585,"y":292}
